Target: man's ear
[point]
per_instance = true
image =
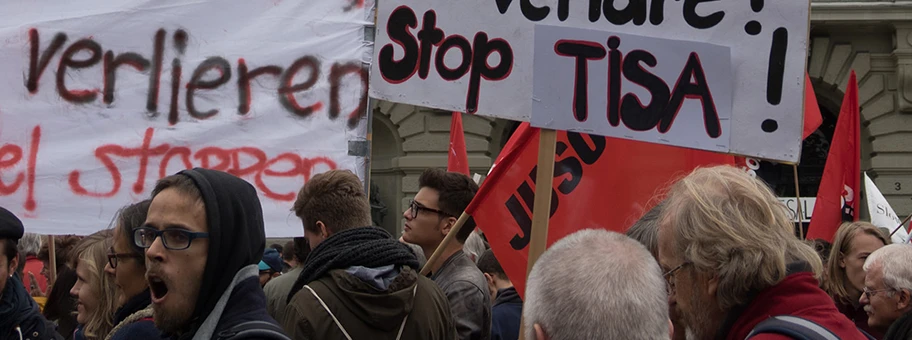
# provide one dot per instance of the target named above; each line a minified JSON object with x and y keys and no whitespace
{"x":489,"y":278}
{"x":904,"y":301}
{"x":540,"y":333}
{"x":14,"y":265}
{"x":324,"y":233}
{"x":450,"y":222}
{"x":712,"y":286}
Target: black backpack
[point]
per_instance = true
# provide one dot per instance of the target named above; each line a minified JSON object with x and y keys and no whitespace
{"x":796,"y":328}
{"x":254,"y":330}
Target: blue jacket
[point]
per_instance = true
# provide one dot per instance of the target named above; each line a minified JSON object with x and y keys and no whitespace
{"x":133,"y":321}
{"x":505,"y":315}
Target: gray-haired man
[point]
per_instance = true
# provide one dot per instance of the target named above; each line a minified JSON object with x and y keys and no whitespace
{"x":615,"y":290}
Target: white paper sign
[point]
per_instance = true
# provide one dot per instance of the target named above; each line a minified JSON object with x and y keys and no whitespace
{"x":101,"y":99}
{"x":619,"y":85}
{"x":882,"y":214}
{"x":477,"y":55}
{"x":807,"y":207}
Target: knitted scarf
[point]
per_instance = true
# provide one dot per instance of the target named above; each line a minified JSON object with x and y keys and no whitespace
{"x":369,"y":247}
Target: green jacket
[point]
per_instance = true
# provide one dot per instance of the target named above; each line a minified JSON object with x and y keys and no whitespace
{"x":366,"y":312}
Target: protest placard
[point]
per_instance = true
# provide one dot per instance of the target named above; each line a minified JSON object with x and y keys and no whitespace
{"x":477,"y":56}
{"x":632,"y":87}
{"x":100,"y":99}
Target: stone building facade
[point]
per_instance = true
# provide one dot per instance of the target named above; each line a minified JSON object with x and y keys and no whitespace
{"x":872,"y":37}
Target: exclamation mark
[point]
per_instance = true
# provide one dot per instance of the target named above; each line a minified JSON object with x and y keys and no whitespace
{"x":776,"y":70}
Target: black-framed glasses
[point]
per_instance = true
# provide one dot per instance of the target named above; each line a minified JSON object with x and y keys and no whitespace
{"x":414,"y":207}
{"x":670,"y":276}
{"x":868,"y":293}
{"x":112,"y":257}
{"x":172,"y":239}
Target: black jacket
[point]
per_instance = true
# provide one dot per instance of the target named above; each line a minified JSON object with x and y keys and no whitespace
{"x":19,"y":313}
{"x":236,"y":242}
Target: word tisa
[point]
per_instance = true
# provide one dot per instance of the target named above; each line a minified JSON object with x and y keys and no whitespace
{"x":664,"y":104}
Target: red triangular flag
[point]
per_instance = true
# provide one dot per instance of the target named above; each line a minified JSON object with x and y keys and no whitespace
{"x":458,"y":160}
{"x":838,"y":196}
{"x":812,"y":117}
{"x":598,"y":182}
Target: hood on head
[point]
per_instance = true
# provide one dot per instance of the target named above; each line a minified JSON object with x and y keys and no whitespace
{"x":236,"y":232}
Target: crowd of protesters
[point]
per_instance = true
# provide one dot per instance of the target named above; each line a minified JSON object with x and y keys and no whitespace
{"x":715,"y":258}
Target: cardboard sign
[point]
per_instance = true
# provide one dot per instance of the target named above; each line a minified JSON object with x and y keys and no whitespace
{"x":626,"y":86}
{"x":477,"y":55}
{"x":101,"y":99}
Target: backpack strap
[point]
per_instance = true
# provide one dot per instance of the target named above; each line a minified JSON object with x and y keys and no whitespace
{"x":795,"y":327}
{"x":254,"y":330}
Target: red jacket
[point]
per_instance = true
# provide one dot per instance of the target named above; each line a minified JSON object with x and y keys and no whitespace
{"x":797,"y":295}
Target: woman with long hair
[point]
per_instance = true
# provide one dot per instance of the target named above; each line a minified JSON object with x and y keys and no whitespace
{"x":61,"y":307}
{"x":844,"y":275}
{"x":95,"y":292}
{"x":127,"y":266}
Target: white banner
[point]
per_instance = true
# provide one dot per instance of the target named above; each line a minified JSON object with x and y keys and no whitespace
{"x":581,"y":77}
{"x":477,"y":55}
{"x":102,"y":98}
{"x":882,"y":214}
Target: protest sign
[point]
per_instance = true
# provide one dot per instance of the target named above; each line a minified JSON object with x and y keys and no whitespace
{"x":101,"y":99}
{"x":632,"y":87}
{"x":477,"y":56}
{"x":882,"y":214}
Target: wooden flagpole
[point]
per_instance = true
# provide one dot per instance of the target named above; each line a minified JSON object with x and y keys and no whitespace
{"x":52,"y":259}
{"x":798,"y":203}
{"x":541,"y":212}
{"x":901,"y":225}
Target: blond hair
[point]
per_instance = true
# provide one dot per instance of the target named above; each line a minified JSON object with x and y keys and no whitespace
{"x":835,"y":281}
{"x":92,"y":253}
{"x":730,"y":224}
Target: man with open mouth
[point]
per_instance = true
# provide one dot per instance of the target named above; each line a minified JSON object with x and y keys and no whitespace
{"x":198,"y":215}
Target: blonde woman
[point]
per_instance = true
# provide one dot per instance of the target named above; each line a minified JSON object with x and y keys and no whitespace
{"x":95,"y":292}
{"x":844,"y":275}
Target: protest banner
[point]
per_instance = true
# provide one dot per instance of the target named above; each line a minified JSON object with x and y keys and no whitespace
{"x":101,"y":99}
{"x":477,"y":56}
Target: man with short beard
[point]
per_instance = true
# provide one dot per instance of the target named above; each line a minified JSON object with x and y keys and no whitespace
{"x":204,"y":237}
{"x":731,"y":260}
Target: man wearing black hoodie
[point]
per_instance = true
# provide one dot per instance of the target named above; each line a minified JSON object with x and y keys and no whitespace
{"x":358,"y":282}
{"x":19,"y":315}
{"x":204,"y":237}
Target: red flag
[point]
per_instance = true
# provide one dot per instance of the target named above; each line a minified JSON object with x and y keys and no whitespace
{"x":458,"y":160}
{"x":598,"y":183}
{"x":838,"y":196}
{"x":812,"y":117}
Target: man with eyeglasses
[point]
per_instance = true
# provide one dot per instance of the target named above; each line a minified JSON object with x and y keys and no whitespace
{"x":204,"y":237}
{"x":442,"y":196}
{"x":887,"y":296}
{"x":735,"y":269}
